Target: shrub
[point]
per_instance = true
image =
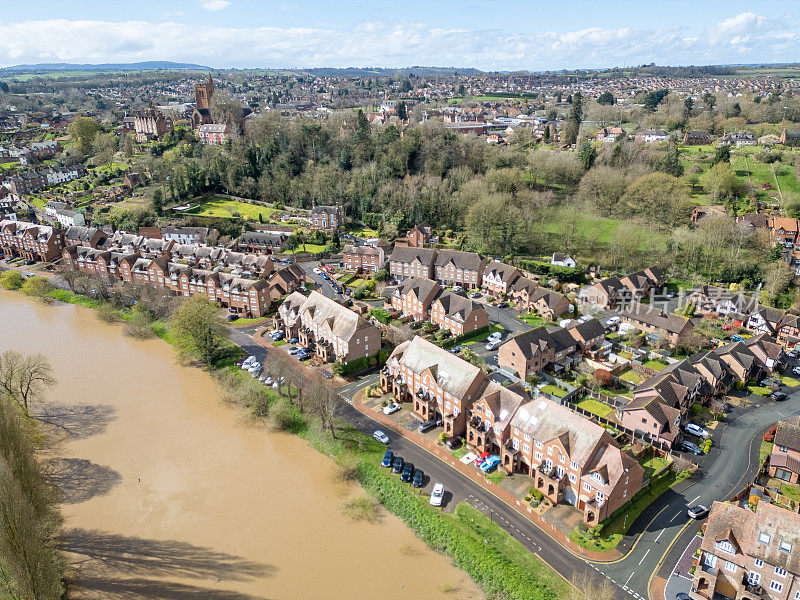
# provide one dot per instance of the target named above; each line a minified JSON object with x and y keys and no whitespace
{"x":443,"y":437}
{"x":11,"y":279}
{"x":381,"y":315}
{"x":538,"y":495}
{"x":770,"y":435}
{"x":106,"y":313}
{"x":603,"y":376}
{"x":38,"y":287}
{"x":281,"y":415}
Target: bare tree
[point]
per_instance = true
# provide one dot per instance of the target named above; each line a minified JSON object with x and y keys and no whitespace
{"x":325,"y":404}
{"x":25,"y":377}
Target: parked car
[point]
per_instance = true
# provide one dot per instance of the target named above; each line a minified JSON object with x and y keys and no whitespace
{"x":458,"y":288}
{"x":317,"y":270}
{"x":231,"y":318}
{"x":796,"y":370}
{"x":426,"y":426}
{"x":502,"y":305}
{"x":397,"y":464}
{"x":408,"y":473}
{"x":387,"y":459}
{"x":327,"y":374}
{"x":480,"y":458}
{"x":697,"y":430}
{"x":380,"y":436}
{"x":457,"y":349}
{"x":613,"y":320}
{"x":246,"y":361}
{"x":254,"y":367}
{"x":390,"y":409}
{"x":778,"y":396}
{"x":453,"y":442}
{"x":294,"y":350}
{"x":494,"y":345}
{"x":475,"y":295}
{"x":691,"y":447}
{"x":419,"y":478}
{"x":437,"y":495}
{"x":294,"y":341}
{"x":697,"y":512}
{"x":494,"y":336}
{"x":490,"y":463}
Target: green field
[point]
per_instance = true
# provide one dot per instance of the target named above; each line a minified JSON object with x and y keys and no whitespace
{"x":222,"y":207}
{"x":310,"y":248}
{"x":748,"y":167}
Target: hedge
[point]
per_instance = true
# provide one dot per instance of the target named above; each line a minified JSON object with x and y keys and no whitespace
{"x":495,"y":572}
{"x":365,"y":362}
{"x":466,"y":337}
{"x":576,"y":275}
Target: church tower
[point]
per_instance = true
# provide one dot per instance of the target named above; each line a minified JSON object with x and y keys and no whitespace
{"x":203,"y":92}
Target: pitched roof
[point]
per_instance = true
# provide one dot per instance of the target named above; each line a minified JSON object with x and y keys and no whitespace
{"x":408,"y":254}
{"x":461,"y":260}
{"x":457,"y":307}
{"x":788,"y":434}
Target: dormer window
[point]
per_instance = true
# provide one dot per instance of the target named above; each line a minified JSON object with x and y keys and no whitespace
{"x":763,"y":538}
{"x":726,"y":546}
{"x":786,"y":547}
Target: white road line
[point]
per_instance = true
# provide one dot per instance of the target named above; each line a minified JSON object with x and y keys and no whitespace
{"x":658,"y":536}
{"x":695,"y":500}
{"x":645,"y":556}
{"x":625,"y":587}
{"x":676,"y":516}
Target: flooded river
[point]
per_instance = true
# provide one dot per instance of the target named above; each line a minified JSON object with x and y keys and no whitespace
{"x":169,"y":494}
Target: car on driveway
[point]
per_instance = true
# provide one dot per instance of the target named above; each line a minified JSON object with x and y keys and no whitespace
{"x":779,"y":396}
{"x":457,"y":349}
{"x":697,"y":512}
{"x":613,"y":320}
{"x":380,"y":436}
{"x":480,"y":458}
{"x":697,"y":430}
{"x":475,"y":295}
{"x":294,"y":350}
{"x":490,"y":463}
{"x":391,"y":408}
{"x":494,"y":336}
{"x":494,"y":344}
{"x":426,"y":426}
{"x":397,"y":464}
{"x":387,"y":459}
{"x":419,"y":478}
{"x":408,"y":473}
{"x":437,"y":495}
{"x":453,"y":442}
{"x":690,"y":447}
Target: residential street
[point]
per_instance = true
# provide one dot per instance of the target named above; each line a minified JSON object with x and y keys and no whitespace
{"x":660,"y":534}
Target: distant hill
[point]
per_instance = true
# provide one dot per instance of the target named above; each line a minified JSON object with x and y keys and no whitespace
{"x":152,"y":65}
{"x":381,"y":72}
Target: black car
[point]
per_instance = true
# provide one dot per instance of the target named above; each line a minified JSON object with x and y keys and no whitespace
{"x":426,"y":426}
{"x":419,"y":478}
{"x":397,"y":465}
{"x":502,"y":305}
{"x":387,"y":459}
{"x":691,"y":447}
{"x":453,"y":442}
{"x":408,"y":473}
{"x":779,"y":396}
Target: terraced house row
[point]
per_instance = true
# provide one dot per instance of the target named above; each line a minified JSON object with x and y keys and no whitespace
{"x":240,"y":295}
{"x":659,"y":406}
{"x":30,"y":241}
{"x":336,"y":332}
{"x":569,"y":458}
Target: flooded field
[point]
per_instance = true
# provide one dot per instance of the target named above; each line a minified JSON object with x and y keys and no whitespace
{"x":169,"y":494}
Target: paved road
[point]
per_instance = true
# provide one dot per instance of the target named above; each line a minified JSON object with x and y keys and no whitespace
{"x":660,"y":534}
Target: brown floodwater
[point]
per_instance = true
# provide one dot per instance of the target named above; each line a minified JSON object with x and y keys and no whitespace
{"x":167,"y":493}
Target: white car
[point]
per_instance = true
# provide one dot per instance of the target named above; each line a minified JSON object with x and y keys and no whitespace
{"x":317,"y":270}
{"x":494,"y":337}
{"x":697,"y":430}
{"x":254,"y":367}
{"x":613,"y":321}
{"x":391,"y":408}
{"x":437,"y":495}
{"x":494,"y":345}
{"x":248,"y":361}
{"x":796,"y":370}
{"x":380,"y":436}
{"x":458,"y":288}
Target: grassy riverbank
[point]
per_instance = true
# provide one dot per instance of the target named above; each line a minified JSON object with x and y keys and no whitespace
{"x":499,"y":564}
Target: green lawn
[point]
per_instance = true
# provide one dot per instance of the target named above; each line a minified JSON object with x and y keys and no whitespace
{"x":533,"y":319}
{"x":497,"y":476}
{"x":554,"y":391}
{"x":790,"y":381}
{"x":791,"y":491}
{"x":596,"y":407}
{"x":311,"y":248}
{"x":762,"y":173}
{"x":761,"y":391}
{"x":656,"y":365}
{"x":632,"y":376}
{"x":654,"y":465}
{"x":764,"y":451}
{"x":222,"y":207}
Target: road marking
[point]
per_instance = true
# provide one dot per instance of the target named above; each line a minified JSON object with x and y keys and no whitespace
{"x":658,"y":536}
{"x":663,"y":556}
{"x":625,"y":587}
{"x":695,"y":500}
{"x":676,"y":516}
{"x":645,"y":556}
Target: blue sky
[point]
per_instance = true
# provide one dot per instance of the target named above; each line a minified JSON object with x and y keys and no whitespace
{"x":502,"y":34}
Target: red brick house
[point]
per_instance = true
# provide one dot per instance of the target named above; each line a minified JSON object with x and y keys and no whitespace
{"x":414,"y":297}
{"x":419,"y":235}
{"x":457,"y":314}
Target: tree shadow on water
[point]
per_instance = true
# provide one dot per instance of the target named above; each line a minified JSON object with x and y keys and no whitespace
{"x":150,"y":589}
{"x":77,"y":421}
{"x":78,"y":480}
{"x":109,"y":553}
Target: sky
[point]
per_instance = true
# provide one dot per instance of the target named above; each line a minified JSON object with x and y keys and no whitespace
{"x":499,"y":35}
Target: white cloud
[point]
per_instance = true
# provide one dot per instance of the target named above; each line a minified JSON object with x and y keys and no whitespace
{"x":742,"y":38}
{"x":213,"y":5}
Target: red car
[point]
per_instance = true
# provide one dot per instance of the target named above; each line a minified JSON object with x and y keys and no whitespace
{"x":481,"y":458}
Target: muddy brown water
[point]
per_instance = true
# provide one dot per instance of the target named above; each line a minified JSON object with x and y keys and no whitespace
{"x":167,"y":493}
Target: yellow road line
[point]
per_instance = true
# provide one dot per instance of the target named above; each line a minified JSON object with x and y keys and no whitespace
{"x":661,"y":560}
